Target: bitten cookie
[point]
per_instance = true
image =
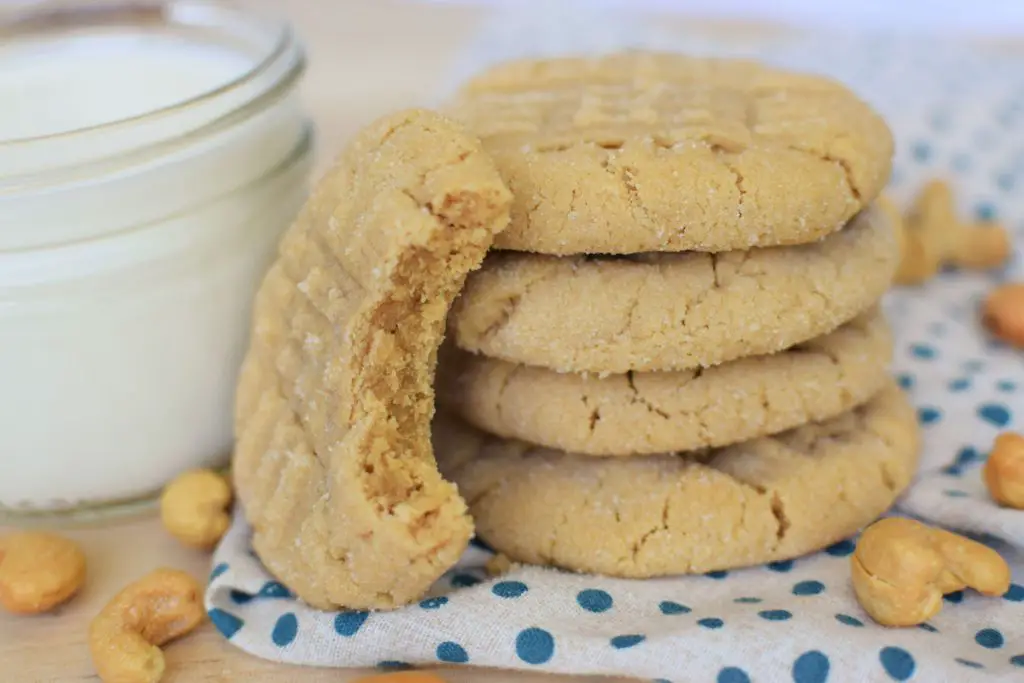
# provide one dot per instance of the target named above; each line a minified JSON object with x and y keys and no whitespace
{"x":333,"y":463}
{"x":658,"y":412}
{"x":645,"y":151}
{"x":770,"y":499}
{"x":672,"y":311}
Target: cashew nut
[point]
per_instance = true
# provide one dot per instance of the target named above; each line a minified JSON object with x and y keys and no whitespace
{"x":194,"y":508}
{"x":914,"y":267}
{"x":38,"y":571}
{"x":901,"y":568}
{"x":933,"y":212}
{"x":1004,"y":470}
{"x":982,"y":245}
{"x":1003,"y":313}
{"x":124,"y":638}
{"x":920,"y":260}
{"x":498,"y":565}
{"x":933,"y":236}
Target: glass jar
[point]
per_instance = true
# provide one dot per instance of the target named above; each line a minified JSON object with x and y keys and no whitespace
{"x":150,"y":157}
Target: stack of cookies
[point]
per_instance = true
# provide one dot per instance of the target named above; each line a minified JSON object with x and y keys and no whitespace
{"x":674,"y":360}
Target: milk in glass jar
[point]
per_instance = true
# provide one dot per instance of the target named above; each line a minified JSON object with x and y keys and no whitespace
{"x":150,"y":157}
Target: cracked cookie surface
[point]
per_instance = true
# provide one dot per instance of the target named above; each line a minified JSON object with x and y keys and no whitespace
{"x":645,"y":151}
{"x":672,"y":311}
{"x":657,"y":412}
{"x":333,"y":463}
{"x":770,"y":499}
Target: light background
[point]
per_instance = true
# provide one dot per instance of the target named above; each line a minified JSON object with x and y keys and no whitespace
{"x":988,"y":17}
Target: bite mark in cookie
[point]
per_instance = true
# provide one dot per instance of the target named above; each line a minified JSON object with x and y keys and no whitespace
{"x":333,"y":463}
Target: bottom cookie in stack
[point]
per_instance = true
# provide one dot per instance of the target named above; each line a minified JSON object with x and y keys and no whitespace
{"x":771,"y":498}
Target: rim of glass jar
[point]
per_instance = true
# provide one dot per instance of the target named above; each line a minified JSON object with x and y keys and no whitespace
{"x":49,"y":15}
{"x":104,"y":254}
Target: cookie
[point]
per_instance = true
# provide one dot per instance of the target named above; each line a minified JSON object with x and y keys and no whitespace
{"x":642,"y":151}
{"x":672,"y":311}
{"x":333,"y":463}
{"x":657,"y":412}
{"x":770,"y":499}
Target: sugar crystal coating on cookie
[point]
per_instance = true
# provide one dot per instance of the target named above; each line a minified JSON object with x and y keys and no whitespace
{"x":672,"y":311}
{"x":654,"y":412}
{"x":772,"y":498}
{"x":333,"y":463}
{"x":644,"y":151}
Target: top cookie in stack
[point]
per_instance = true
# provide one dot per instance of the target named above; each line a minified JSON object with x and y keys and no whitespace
{"x":693,"y":262}
{"x":644,"y":152}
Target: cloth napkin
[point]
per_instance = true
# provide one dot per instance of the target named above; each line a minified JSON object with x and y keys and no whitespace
{"x":957,"y":113}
